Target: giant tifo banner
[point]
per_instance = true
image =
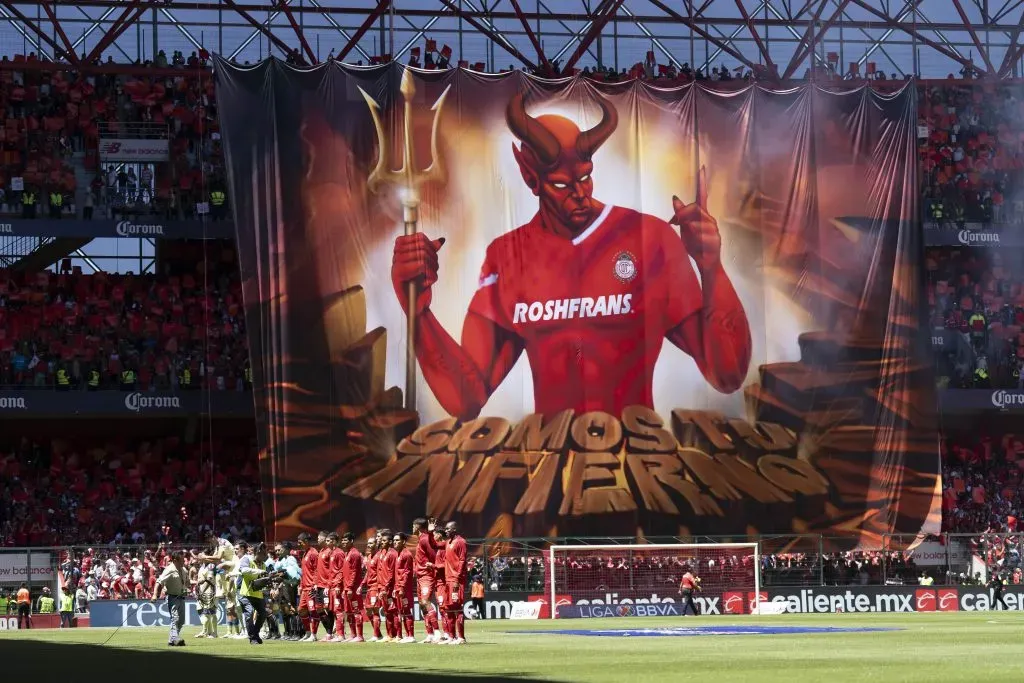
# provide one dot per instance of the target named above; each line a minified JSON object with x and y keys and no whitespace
{"x":561,"y":307}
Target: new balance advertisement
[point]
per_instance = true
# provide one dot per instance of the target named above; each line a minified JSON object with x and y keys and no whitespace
{"x":562,"y":307}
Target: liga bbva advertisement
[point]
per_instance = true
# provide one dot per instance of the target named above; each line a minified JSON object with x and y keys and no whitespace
{"x":568,"y":308}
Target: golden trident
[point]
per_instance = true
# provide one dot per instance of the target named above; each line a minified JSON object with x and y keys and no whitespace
{"x":409,"y":179}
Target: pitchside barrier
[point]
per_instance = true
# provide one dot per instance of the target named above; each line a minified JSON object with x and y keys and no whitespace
{"x":522,"y":605}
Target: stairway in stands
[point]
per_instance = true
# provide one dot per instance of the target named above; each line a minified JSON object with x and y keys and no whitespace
{"x":39,"y":253}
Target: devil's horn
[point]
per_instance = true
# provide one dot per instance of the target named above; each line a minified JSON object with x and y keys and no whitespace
{"x":532,"y":133}
{"x":589,"y":141}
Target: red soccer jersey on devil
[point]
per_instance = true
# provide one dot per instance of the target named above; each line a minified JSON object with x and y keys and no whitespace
{"x":324,"y":574}
{"x":386,"y":570}
{"x":403,"y":570}
{"x":592,"y":312}
{"x":352,"y":568}
{"x":309,"y":572}
{"x":425,"y":554}
{"x":455,"y":561}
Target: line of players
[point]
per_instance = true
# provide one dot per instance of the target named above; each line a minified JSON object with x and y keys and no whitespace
{"x":342,"y":589}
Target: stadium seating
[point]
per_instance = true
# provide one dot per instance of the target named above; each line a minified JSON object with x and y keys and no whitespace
{"x":971,"y":158}
{"x":116,"y":491}
{"x":155,"y":326}
{"x":55,"y":114}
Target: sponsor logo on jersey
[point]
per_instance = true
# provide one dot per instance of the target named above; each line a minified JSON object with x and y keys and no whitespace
{"x":625,"y":267}
{"x":568,"y":309}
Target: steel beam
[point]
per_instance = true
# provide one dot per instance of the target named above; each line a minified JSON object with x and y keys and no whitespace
{"x":701,"y":32}
{"x":72,"y":56}
{"x":1006,"y":66}
{"x":36,"y":45}
{"x":915,"y":33}
{"x":420,"y":32}
{"x":811,"y":39}
{"x":298,"y":32}
{"x":974,"y":37}
{"x":497,"y":38}
{"x":30,"y":24}
{"x":262,"y":28}
{"x":382,"y":6}
{"x":132,"y":11}
{"x":337,"y":27}
{"x":657,"y":43}
{"x":529,"y":32}
{"x":762,"y":48}
{"x":593,"y":33}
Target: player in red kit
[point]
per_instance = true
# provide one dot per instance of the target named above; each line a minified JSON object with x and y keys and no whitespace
{"x":440,"y":590}
{"x":307,"y":587}
{"x":405,"y":589}
{"x":369,"y":589}
{"x":351,"y":582}
{"x":387,"y":559}
{"x":455,"y":582}
{"x":588,"y":290}
{"x":334,"y":603}
{"x":423,"y":568}
{"x":324,"y":580}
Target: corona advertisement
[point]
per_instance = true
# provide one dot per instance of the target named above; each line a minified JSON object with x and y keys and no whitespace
{"x":561,"y":307}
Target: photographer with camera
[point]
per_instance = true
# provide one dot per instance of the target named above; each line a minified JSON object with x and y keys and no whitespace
{"x":254,"y":580}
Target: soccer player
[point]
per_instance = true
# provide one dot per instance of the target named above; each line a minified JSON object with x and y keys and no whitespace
{"x":307,"y":588}
{"x":440,"y":589}
{"x":388,"y":559}
{"x":588,"y":290}
{"x":324,"y":578}
{"x":225,"y":561}
{"x":352,"y":578}
{"x":329,"y":583}
{"x":285,"y":562}
{"x":405,"y":589}
{"x":369,"y":587}
{"x":206,"y":593}
{"x":423,"y":567}
{"x":689,"y":583}
{"x":455,"y":582}
{"x":334,"y":604}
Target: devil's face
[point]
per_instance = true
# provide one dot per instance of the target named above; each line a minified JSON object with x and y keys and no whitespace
{"x":568,"y":194}
{"x":555,"y":161}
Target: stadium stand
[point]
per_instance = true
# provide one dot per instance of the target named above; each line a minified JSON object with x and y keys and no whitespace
{"x":972,"y":157}
{"x":172,"y":331}
{"x":99,"y":491}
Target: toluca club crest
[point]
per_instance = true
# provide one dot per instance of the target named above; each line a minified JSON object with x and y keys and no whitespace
{"x":625,"y":267}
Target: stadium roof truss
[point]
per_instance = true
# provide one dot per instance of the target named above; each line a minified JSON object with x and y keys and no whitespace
{"x":928,"y":37}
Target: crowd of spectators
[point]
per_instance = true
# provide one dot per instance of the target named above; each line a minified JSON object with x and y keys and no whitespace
{"x":61,"y":491}
{"x":971,"y":152}
{"x":53,"y":114}
{"x":135,"y":332}
{"x":981,"y":478}
{"x":976,"y":299}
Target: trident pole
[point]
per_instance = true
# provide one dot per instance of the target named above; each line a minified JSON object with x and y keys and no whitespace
{"x":408,"y":179}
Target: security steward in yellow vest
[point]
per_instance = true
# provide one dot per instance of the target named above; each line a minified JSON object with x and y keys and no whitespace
{"x":255,"y":578}
{"x":217,"y":198}
{"x":185,"y":378}
{"x":56,"y":204}
{"x":28,"y":204}
{"x":93,"y":383}
{"x":127,"y":380}
{"x":63,"y":380}
{"x":46,"y":603}
{"x":248,"y":375}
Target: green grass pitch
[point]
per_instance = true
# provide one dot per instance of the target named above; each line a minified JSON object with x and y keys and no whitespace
{"x":930,"y":648}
